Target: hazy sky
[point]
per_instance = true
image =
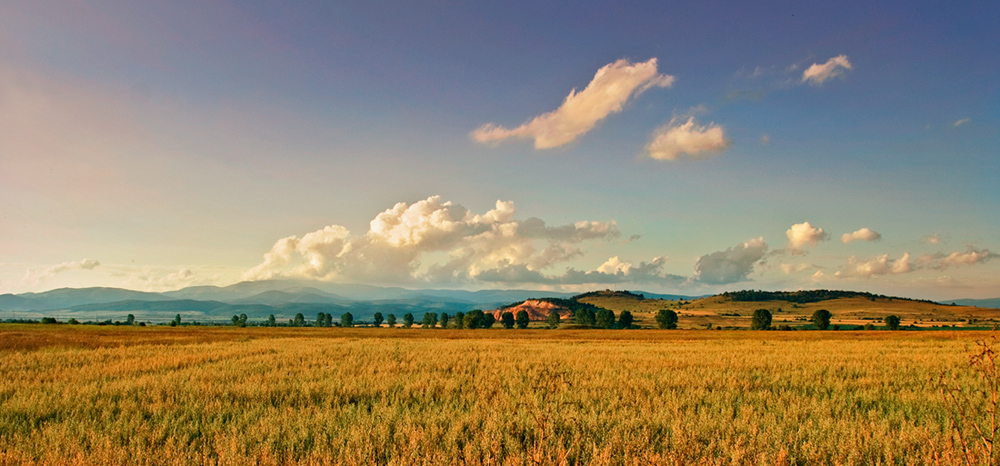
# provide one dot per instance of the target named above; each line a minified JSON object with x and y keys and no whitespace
{"x":688,"y":147}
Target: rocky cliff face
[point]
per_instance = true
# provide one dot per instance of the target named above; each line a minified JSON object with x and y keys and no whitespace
{"x":536,"y":309}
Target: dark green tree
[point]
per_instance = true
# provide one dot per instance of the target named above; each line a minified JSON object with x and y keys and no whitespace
{"x":236,"y":320}
{"x":271,"y":322}
{"x":378,"y":319}
{"x":507,"y":320}
{"x":488,"y":320}
{"x":473,"y":319}
{"x":321,"y":320}
{"x":891,"y":322}
{"x":459,"y":320}
{"x":130,"y":320}
{"x":604,"y":318}
{"x":666,"y":318}
{"x":521,"y":319}
{"x":443,"y":320}
{"x":407,"y":320}
{"x":390,"y":320}
{"x":347,"y":320}
{"x":585,"y":316}
{"x":625,"y":320}
{"x":300,"y":320}
{"x":761,"y":320}
{"x":177,"y":319}
{"x":821,"y":319}
{"x":429,"y":320}
{"x":553,"y":319}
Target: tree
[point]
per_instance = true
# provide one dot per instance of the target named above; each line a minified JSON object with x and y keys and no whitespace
{"x":236,"y":320}
{"x":299,"y":321}
{"x":604,"y":318}
{"x":761,"y":320}
{"x":321,"y":320}
{"x":585,"y":316}
{"x":73,"y":321}
{"x":507,"y":320}
{"x":891,"y":322}
{"x":130,"y":320}
{"x":378,"y":319}
{"x":459,"y":320}
{"x":177,"y":319}
{"x":488,"y":320}
{"x":821,"y":319}
{"x":347,"y":319}
{"x":443,"y":320}
{"x":625,"y":320}
{"x":666,"y":318}
{"x":390,"y":320}
{"x":521,"y":319}
{"x":553,"y":319}
{"x":474,"y":319}
{"x":429,"y":320}
{"x":407,"y":320}
{"x":271,"y":321}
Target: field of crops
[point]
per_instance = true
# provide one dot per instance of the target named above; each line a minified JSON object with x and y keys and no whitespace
{"x":272,"y":396}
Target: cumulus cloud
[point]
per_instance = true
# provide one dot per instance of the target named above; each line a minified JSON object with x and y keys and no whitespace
{"x":33,"y":276}
{"x":962,"y":122}
{"x":804,"y":233}
{"x":863,"y":234}
{"x":407,"y":242}
{"x":878,"y":265}
{"x":687,"y":138}
{"x":732,"y":265}
{"x":612,"y":271}
{"x":817,"y":74}
{"x":971,"y":256}
{"x":607,"y":93}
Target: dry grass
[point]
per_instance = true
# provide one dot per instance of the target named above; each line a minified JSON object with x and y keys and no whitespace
{"x":79,"y":395}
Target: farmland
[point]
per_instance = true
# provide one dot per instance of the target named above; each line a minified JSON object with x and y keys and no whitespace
{"x":159,"y":395}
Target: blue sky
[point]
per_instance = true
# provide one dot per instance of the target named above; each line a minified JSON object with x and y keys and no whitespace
{"x":155,"y":147}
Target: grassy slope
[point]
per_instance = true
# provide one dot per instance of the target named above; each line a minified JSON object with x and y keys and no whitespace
{"x":846,"y":311}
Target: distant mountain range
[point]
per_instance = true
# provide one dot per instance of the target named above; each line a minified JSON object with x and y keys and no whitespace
{"x":259,"y":299}
{"x":991,"y":302}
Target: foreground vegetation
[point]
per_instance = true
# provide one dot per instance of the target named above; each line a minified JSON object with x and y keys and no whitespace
{"x":161,"y":395}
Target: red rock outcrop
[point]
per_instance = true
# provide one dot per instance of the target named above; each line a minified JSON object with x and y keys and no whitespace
{"x":536,"y":309}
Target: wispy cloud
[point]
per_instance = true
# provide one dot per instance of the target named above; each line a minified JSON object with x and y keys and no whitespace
{"x":34,"y":277}
{"x":878,"y":265}
{"x":688,"y":138}
{"x":612,"y":86}
{"x":817,"y":74}
{"x":733,"y":265}
{"x":961,"y":122}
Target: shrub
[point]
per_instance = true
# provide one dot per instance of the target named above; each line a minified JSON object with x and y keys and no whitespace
{"x":868,"y":327}
{"x":553,"y":319}
{"x":49,"y":320}
{"x":761,"y":320}
{"x":892,"y":322}
{"x":666,"y":318}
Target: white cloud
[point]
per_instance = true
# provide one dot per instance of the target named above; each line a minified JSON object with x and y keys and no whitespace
{"x":405,"y":243}
{"x":34,"y":277}
{"x":878,"y":265}
{"x":818,"y":275}
{"x":804,"y":233}
{"x":607,"y":93}
{"x":962,"y":121}
{"x":732,"y":265}
{"x":971,"y":256}
{"x":765,"y":140}
{"x":863,"y":234}
{"x":933,"y":239}
{"x":687,"y":138}
{"x":795,"y":268}
{"x":612,"y":271}
{"x":817,"y":74}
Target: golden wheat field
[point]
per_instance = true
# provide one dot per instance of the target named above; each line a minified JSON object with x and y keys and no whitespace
{"x":228,"y":396}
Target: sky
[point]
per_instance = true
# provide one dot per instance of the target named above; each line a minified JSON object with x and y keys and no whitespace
{"x":688,"y":147}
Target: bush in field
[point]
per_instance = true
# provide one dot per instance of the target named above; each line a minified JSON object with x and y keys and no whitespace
{"x":49,"y":320}
{"x":868,"y":326}
{"x":443,"y":320}
{"x":73,"y":321}
{"x":553,"y":319}
{"x":488,"y":320}
{"x":459,"y":320}
{"x":507,"y":319}
{"x":821,"y":319}
{"x":605,"y":318}
{"x":521,"y":319}
{"x":390,"y":320}
{"x":378,"y":319}
{"x":347,"y":319}
{"x":666,"y":318}
{"x":761,"y":320}
{"x":407,"y":320}
{"x":892,"y":322}
{"x":625,"y":320}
